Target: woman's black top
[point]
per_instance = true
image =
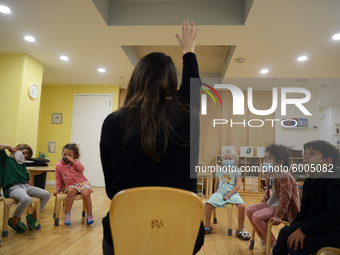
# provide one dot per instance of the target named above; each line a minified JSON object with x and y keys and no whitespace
{"x":135,"y":169}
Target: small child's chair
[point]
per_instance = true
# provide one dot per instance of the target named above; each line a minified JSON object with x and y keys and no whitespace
{"x":62,"y":197}
{"x":8,"y":202}
{"x":155,"y":220}
{"x":328,"y":251}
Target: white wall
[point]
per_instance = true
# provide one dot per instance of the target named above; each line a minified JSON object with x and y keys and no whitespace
{"x":326,"y":126}
{"x":335,"y":118}
{"x":297,"y":137}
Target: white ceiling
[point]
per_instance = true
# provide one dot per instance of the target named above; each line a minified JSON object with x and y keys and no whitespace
{"x":276,"y":32}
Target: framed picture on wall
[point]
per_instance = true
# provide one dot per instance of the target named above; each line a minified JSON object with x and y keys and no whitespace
{"x":51,"y":147}
{"x":57,"y":118}
{"x":246,"y":151}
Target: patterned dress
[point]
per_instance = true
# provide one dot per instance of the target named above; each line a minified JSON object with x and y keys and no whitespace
{"x":227,"y":181}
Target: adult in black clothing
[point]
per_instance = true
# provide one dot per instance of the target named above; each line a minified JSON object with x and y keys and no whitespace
{"x":317,"y":225}
{"x":147,"y":142}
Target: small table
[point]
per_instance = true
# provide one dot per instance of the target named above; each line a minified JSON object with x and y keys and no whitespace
{"x":35,"y":170}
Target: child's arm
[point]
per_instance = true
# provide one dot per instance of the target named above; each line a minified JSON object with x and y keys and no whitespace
{"x":6,"y":146}
{"x":266,"y":195}
{"x":286,"y":190}
{"x":58,"y":181}
{"x":235,"y":189}
{"x":78,"y":166}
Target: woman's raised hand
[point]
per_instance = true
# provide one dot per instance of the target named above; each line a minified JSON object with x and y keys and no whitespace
{"x":188,"y":40}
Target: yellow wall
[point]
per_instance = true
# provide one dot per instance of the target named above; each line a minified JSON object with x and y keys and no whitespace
{"x":59,"y":99}
{"x":18,"y":112}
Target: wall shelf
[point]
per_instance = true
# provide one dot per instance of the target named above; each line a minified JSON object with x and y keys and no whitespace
{"x":254,"y":182}
{"x":296,"y":128}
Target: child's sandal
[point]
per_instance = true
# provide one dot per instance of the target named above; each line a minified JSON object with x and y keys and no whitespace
{"x":67,"y":221}
{"x":244,"y":235}
{"x":208,"y":230}
{"x":89,"y":220}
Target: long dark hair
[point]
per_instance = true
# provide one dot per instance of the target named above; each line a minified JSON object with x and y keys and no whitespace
{"x":151,"y":104}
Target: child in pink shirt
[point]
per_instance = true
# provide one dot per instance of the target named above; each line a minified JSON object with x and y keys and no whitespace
{"x":69,"y":171}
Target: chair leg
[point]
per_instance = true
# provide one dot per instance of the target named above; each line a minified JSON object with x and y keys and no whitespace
{"x":83,"y":214}
{"x":269,"y":237}
{"x":7,"y":207}
{"x":55,"y":206}
{"x":57,"y":211}
{"x":230,"y":219}
{"x":37,"y":212}
{"x":252,"y":240}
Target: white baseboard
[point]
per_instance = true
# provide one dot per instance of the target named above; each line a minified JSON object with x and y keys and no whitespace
{"x":50,"y":183}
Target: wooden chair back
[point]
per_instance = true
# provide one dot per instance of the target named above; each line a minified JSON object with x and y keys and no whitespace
{"x":155,"y":220}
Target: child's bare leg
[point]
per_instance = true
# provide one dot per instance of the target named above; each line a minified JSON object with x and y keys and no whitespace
{"x":207,"y":213}
{"x":241,"y":215}
{"x":86,"y":194}
{"x":71,"y":192}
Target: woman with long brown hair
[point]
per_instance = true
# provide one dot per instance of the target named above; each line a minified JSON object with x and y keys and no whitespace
{"x":147,"y":142}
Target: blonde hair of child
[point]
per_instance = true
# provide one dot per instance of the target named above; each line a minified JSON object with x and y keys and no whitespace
{"x":232,"y":153}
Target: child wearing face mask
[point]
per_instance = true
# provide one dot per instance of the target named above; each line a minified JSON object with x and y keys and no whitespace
{"x":281,"y":200}
{"x":69,"y":172}
{"x":317,"y":225}
{"x":227,"y":184}
{"x":16,"y":184}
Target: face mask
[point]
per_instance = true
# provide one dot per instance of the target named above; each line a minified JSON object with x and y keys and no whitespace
{"x":19,"y":157}
{"x":267,"y":167}
{"x":307,"y":165}
{"x":66,"y":161}
{"x":315,"y":163}
{"x":228,"y":163}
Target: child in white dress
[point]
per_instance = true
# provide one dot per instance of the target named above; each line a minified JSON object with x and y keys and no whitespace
{"x":227,"y":184}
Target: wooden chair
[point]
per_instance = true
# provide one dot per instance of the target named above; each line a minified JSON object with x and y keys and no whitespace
{"x":328,"y":251}
{"x":8,"y":202}
{"x":229,"y":208}
{"x":269,"y":229}
{"x":57,"y":204}
{"x":155,"y":220}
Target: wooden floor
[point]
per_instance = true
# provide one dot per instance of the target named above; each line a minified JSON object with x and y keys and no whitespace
{"x":81,"y":239}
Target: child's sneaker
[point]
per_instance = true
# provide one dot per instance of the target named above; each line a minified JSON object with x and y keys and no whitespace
{"x":20,"y":227}
{"x":244,"y":235}
{"x":208,"y":230}
{"x":89,"y":220}
{"x":67,"y":221}
{"x":31,"y":222}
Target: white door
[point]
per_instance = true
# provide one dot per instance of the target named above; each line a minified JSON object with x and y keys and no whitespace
{"x":89,"y":112}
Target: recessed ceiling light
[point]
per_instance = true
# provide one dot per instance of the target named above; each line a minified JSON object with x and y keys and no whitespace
{"x":302,"y":58}
{"x":29,"y":38}
{"x":64,"y":58}
{"x":264,"y":71}
{"x":102,"y":70}
{"x":336,"y":37}
{"x":5,"y":9}
{"x":319,"y":102}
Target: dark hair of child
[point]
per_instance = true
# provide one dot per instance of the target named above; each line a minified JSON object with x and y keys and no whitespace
{"x":74,"y":148}
{"x":326,"y":149}
{"x":279,"y":152}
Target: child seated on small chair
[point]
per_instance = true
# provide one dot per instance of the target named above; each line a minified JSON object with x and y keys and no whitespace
{"x":16,"y":184}
{"x":317,"y":225}
{"x":69,"y":171}
{"x":281,"y":200}
{"x":227,"y":184}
